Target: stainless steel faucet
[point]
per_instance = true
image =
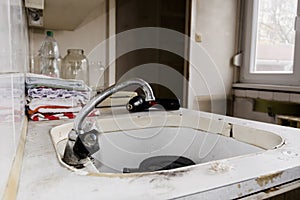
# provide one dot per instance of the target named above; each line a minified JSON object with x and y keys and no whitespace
{"x":80,"y":144}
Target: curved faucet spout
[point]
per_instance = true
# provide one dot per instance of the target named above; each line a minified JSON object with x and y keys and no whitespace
{"x":109,"y":91}
{"x":80,"y":144}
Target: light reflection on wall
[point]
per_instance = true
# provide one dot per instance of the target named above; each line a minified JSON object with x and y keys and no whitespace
{"x":13,"y":65}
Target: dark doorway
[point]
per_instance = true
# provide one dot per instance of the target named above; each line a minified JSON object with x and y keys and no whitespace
{"x":155,"y":65}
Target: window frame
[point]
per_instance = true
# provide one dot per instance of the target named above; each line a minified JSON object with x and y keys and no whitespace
{"x":249,"y":52}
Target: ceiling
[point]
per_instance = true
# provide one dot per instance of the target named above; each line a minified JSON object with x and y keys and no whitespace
{"x":67,"y":14}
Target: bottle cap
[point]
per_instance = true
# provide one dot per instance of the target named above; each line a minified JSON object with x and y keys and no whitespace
{"x":49,"y":33}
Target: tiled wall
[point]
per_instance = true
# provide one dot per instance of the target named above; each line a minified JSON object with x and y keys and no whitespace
{"x":269,"y":95}
{"x":244,"y":100}
{"x":13,"y":65}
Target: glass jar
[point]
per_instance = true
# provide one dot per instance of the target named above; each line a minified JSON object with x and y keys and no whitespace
{"x":75,"y":66}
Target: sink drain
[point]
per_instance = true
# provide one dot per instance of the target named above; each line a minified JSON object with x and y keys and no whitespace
{"x":158,"y":163}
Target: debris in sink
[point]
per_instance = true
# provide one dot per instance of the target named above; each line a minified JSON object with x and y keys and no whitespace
{"x":158,"y":163}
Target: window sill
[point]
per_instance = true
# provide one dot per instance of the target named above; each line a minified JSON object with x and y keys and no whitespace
{"x":264,"y":87}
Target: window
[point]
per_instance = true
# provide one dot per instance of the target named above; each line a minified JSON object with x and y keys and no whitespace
{"x":271,"y":43}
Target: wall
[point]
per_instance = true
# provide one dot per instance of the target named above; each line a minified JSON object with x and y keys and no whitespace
{"x":86,"y":36}
{"x":13,"y":64}
{"x":210,"y":71}
{"x":214,"y":24}
{"x":266,"y":105}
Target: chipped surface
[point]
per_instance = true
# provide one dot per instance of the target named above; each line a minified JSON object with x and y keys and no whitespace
{"x":43,"y":177}
{"x":266,"y":179}
{"x":220,"y":166}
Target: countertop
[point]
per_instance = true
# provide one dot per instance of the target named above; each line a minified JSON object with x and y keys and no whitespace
{"x":43,"y":177}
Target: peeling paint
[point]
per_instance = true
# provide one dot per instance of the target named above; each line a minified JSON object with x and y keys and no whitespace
{"x":231,"y":130}
{"x":173,"y":173}
{"x":264,"y":180}
{"x":167,"y":174}
{"x":273,"y":189}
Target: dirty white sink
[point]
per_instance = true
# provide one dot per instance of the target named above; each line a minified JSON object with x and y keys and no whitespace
{"x":127,"y":149}
{"x":127,"y":140}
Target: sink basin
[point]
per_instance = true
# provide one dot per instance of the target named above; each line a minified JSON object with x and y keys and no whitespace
{"x":129,"y":148}
{"x":127,"y":140}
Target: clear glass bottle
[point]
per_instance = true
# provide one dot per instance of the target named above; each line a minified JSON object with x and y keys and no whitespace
{"x":49,"y":58}
{"x":75,"y":66}
{"x":51,"y":66}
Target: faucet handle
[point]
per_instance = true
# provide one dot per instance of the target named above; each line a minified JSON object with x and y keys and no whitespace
{"x":137,"y":104}
{"x":86,"y":144}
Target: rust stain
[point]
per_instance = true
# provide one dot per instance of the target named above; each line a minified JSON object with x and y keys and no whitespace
{"x":239,"y":185}
{"x":167,"y":175}
{"x":173,"y":173}
{"x":264,"y":180}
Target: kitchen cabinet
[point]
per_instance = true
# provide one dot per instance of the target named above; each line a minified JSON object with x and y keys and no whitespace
{"x":67,"y":14}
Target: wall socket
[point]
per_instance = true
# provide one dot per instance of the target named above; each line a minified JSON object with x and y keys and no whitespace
{"x":198,"y":37}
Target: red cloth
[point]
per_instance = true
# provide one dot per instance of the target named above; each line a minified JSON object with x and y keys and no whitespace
{"x":57,"y":116}
{"x":48,"y":116}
